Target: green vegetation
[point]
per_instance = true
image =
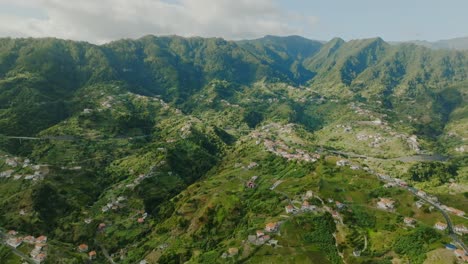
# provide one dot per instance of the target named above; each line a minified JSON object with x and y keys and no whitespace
{"x":416,"y":243}
{"x":157,"y":139}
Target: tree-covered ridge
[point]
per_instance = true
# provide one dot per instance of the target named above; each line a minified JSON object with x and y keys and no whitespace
{"x":160,"y":138}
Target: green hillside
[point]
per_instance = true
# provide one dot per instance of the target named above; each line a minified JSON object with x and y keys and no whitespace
{"x":178,"y":150}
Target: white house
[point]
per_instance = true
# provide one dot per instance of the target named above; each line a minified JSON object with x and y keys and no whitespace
{"x":440,"y":226}
{"x":461,"y":229}
{"x":386,"y":203}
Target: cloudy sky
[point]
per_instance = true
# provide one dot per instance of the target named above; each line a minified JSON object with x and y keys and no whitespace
{"x":100,"y":21}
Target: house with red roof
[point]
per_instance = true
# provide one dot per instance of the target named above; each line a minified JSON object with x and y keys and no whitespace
{"x":271,"y":227}
{"x":83,"y":248}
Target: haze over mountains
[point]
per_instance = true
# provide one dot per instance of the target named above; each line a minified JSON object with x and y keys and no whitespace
{"x":178,"y":150}
{"x":456,"y":43}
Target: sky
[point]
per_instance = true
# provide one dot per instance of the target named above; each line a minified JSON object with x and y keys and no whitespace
{"x":101,"y":21}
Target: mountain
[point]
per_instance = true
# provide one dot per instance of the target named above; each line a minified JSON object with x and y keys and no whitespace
{"x":178,"y":150}
{"x":454,"y":44}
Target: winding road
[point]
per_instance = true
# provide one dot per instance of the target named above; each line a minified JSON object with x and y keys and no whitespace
{"x":452,"y":233}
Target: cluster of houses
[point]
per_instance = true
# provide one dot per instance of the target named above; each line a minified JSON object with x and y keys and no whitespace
{"x":84,"y":248}
{"x":391,"y":182}
{"x":395,"y":182}
{"x":229,"y":104}
{"x":358,"y":110}
{"x":453,"y":210}
{"x":261,"y":237}
{"x":305,"y":206}
{"x":15,"y":164}
{"x":343,"y":163}
{"x":114,"y":204}
{"x":279,"y":148}
{"x":434,"y":199}
{"x":38,"y":253}
{"x":460,"y":229}
{"x":137,"y":181}
{"x":375,"y":140}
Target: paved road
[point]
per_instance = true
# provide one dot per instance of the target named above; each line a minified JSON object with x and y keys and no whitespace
{"x":452,"y":233}
{"x":417,"y":157}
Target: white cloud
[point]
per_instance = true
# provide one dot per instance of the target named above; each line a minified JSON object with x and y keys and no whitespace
{"x":105,"y":20}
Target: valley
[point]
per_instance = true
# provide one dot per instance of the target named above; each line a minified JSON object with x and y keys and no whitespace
{"x":193,"y":150}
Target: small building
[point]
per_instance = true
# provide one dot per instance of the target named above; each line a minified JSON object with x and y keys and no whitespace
{"x":342,"y":163}
{"x":233,"y":251}
{"x":440,"y":226}
{"x":271,"y":227}
{"x":309,"y":194}
{"x":421,"y":193}
{"x":459,"y":253}
{"x":141,"y":220}
{"x":101,"y":226}
{"x":455,"y":211}
{"x":409,"y":220}
{"x":339,"y":205}
{"x":12,"y":233}
{"x":92,"y":255}
{"x":390,"y":185}
{"x":461,"y":229}
{"x":39,"y":246}
{"x":335,"y":214}
{"x":250,"y":184}
{"x":260,"y":233}
{"x":252,"y":239}
{"x":83,"y":248}
{"x":272,"y":242}
{"x":40,"y":257}
{"x":290,"y":209}
{"x":419,"y":204}
{"x":252,"y":165}
{"x":41,"y":239}
{"x":88,"y":220}
{"x":29,"y":239}
{"x":386,"y":203}
{"x":14,"y":242}
{"x":307,"y":207}
{"x":263,"y":239}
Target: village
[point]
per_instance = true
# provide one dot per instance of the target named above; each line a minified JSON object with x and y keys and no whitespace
{"x":300,"y":204}
{"x":388,"y":204}
{"x":18,"y":168}
{"x":37,"y":245}
{"x":280,"y":148}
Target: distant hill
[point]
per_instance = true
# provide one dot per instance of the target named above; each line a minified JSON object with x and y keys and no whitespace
{"x":455,"y":43}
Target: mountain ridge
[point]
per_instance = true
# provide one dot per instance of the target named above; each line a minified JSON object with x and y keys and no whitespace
{"x":184,"y":150}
